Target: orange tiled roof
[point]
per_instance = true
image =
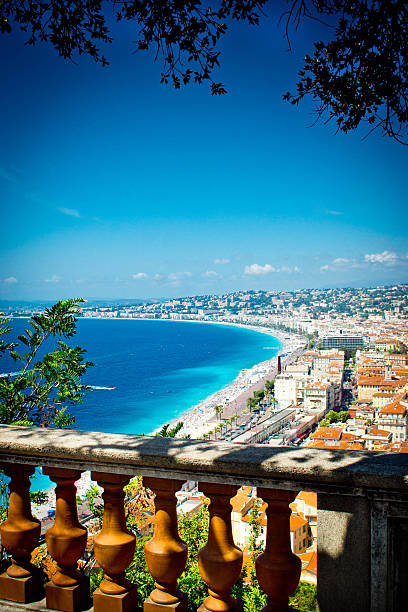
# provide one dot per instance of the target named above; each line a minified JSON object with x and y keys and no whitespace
{"x":375,"y":431}
{"x":346,"y":436}
{"x":317,"y":385}
{"x":381,"y":394}
{"x":296,"y":522}
{"x":309,"y":561}
{"x":309,"y":498}
{"x":335,"y":445}
{"x":239,"y":500}
{"x":326,"y":433}
{"x":394,"y":408}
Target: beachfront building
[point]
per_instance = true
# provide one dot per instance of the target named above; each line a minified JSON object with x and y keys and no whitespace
{"x":322,"y":395}
{"x":317,"y":396}
{"x":314,"y":381}
{"x":289,"y":388}
{"x":344,"y":341}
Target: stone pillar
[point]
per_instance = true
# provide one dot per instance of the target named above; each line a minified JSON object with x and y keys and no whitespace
{"x":66,"y":542}
{"x":343,"y":552}
{"x":20,"y":532}
{"x":277,"y":568}
{"x":114,"y":548}
{"x":220,"y":561}
{"x":165,"y":553}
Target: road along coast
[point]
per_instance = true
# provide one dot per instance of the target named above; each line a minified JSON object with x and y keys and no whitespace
{"x":202,"y":417}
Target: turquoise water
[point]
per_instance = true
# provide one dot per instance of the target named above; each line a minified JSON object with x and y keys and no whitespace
{"x":150,"y":372}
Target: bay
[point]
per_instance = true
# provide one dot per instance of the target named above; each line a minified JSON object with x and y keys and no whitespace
{"x":147,"y":373}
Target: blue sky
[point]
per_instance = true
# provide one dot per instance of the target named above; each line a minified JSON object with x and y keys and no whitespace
{"x":114,"y":186}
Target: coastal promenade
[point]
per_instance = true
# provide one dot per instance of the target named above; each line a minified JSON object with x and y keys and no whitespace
{"x":239,"y":404}
{"x":233,"y":398}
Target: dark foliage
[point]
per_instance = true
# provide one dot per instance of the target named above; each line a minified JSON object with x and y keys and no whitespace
{"x":360,"y":76}
{"x":41,"y":392}
{"x":179,"y":31}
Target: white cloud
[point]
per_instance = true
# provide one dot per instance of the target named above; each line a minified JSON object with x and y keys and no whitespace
{"x":158,"y":277}
{"x":221,"y":261}
{"x":71,"y":212}
{"x":387,"y":258}
{"x":140,"y":276}
{"x":211,"y":274}
{"x":11,"y":280}
{"x":54,"y":279}
{"x":340,"y":261}
{"x":335,"y":213}
{"x":259,"y":270}
{"x":296,"y":269}
{"x":325,"y":268}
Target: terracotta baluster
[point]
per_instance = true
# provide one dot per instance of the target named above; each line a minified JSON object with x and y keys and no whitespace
{"x":66,"y":542}
{"x":114,"y":549}
{"x":20,"y":532}
{"x":220,"y":561}
{"x":277,"y":568}
{"x":165,"y":553}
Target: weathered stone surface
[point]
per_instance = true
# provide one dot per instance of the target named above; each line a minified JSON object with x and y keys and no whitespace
{"x":189,"y":459}
{"x":343,"y":553}
{"x":37,"y":606}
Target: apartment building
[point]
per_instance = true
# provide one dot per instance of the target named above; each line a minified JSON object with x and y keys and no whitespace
{"x":370,"y":385}
{"x":374,"y":438}
{"x":393,"y":418}
{"x":342,"y":341}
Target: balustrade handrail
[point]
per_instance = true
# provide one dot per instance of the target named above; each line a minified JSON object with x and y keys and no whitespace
{"x":217,"y":462}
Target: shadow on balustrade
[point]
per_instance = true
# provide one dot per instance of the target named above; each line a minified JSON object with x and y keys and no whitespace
{"x":310,"y":467}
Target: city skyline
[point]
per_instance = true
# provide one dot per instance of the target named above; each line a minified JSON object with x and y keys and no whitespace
{"x":114,"y":186}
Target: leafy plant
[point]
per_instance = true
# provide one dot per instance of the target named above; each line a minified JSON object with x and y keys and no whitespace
{"x":41,"y":392}
{"x":165,"y":432}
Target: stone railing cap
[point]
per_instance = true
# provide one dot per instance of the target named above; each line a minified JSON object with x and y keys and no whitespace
{"x":201,"y":460}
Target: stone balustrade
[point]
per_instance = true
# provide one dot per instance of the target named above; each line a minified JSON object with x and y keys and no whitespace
{"x":362,"y":521}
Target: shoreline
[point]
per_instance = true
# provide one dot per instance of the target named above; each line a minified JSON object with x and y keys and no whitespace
{"x":201,"y":418}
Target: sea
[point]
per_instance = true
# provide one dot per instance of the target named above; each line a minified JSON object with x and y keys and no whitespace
{"x":148,"y":373}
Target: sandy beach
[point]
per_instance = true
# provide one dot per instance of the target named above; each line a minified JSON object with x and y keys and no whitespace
{"x":202,"y":417}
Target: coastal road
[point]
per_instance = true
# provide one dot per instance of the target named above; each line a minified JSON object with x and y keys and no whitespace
{"x":239,"y":404}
